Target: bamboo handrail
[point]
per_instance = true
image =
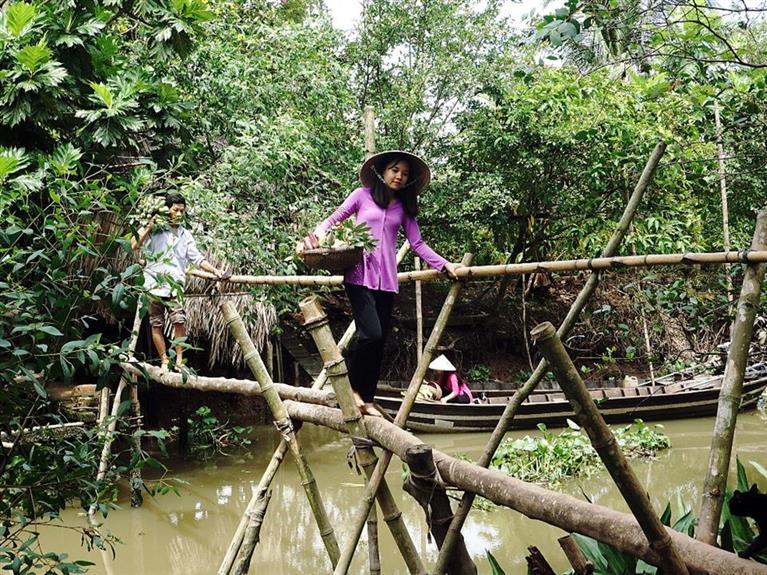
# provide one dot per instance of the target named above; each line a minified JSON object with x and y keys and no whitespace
{"x":590,"y":418}
{"x":504,"y":423}
{"x":554,"y":266}
{"x":402,"y":415}
{"x":730,"y":395}
{"x":285,"y":427}
{"x":317,"y":324}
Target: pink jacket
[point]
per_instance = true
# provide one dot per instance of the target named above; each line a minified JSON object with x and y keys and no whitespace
{"x":378,"y":269}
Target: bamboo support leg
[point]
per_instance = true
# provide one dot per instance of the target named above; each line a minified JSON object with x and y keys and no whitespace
{"x":730,"y":394}
{"x":404,"y":411}
{"x":588,"y":416}
{"x":581,"y":565}
{"x":374,"y":554}
{"x":279,"y":453}
{"x":507,"y":418}
{"x":284,"y":425}
{"x":136,"y":499}
{"x":317,"y":323}
{"x":233,"y":551}
{"x":425,"y":487}
{"x":125,"y":380}
{"x":250,"y":539}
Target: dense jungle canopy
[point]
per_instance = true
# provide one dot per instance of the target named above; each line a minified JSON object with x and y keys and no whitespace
{"x":253,"y":110}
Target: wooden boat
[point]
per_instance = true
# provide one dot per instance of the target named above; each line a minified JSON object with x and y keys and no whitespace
{"x":696,"y":397}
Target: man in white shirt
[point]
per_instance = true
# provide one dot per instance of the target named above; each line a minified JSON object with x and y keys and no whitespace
{"x":169,"y":252}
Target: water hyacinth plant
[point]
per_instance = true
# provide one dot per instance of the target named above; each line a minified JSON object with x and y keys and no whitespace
{"x":553,"y":458}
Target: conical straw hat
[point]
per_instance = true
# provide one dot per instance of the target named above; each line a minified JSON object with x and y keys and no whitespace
{"x":420,"y":174}
{"x":442,"y":364}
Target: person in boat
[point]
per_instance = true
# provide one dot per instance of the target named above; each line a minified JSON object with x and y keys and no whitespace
{"x":168,"y":253}
{"x":454,"y":390}
{"x":387,"y":201}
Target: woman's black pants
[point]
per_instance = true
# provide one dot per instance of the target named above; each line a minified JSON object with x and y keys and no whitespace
{"x":372,"y":311}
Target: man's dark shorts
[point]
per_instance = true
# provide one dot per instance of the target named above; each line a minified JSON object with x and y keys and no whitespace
{"x":157,"y":307}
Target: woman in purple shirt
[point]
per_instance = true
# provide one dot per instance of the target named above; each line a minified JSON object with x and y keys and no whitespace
{"x":387,"y":201}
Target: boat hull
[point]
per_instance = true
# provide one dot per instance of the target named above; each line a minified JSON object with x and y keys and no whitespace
{"x":617,"y":405}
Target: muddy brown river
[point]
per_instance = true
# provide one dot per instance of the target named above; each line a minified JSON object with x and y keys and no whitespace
{"x":188,"y":534}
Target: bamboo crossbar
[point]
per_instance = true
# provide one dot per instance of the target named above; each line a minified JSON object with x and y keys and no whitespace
{"x":229,"y":385}
{"x":554,"y":266}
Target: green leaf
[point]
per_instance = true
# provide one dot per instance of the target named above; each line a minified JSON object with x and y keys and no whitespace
{"x":103,"y":93}
{"x":33,"y":57}
{"x":19,"y":18}
{"x":51,"y":330}
{"x":742,"y":477}
{"x":496,"y":568}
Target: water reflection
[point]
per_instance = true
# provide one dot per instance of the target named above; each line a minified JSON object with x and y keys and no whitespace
{"x":188,"y":534}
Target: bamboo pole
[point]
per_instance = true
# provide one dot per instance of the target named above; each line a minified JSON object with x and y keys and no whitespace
{"x":279,"y":453}
{"x":560,"y":266}
{"x":370,"y":140}
{"x":317,"y":323}
{"x":374,"y":552}
{"x":560,"y":510}
{"x":418,"y":316}
{"x":238,"y":541}
{"x":251,"y":537}
{"x":402,"y":415}
{"x":108,"y":434}
{"x":581,"y":565}
{"x":588,"y":416}
{"x":730,"y":394}
{"x":504,"y":423}
{"x":284,"y":425}
{"x":723,"y":192}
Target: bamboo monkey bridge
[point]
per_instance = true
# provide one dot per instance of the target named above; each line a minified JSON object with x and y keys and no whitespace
{"x":639,"y":533}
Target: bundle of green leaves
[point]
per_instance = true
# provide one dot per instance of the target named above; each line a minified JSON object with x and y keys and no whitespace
{"x":348,"y":234}
{"x":151,"y":207}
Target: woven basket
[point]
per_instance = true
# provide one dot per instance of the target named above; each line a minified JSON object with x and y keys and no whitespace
{"x":332,"y":260}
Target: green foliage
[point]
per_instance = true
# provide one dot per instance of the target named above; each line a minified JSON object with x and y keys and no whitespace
{"x":209,"y":437}
{"x":553,"y":458}
{"x":735,"y":535}
{"x":478,"y":373}
{"x":349,"y":234}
